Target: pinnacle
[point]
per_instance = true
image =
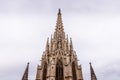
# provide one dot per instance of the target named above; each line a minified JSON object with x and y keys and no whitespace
{"x":93,"y":76}
{"x":25,"y":75}
{"x":47,"y":44}
{"x":28,"y":63}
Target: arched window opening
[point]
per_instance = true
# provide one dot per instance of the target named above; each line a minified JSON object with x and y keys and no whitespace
{"x":59,"y":71}
{"x":74,"y":71}
{"x":45,"y":71}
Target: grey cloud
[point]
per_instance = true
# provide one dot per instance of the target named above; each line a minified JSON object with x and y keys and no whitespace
{"x":110,"y":71}
{"x":16,"y":71}
{"x":43,"y":6}
{"x":22,"y":6}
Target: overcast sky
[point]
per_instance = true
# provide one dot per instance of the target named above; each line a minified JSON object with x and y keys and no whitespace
{"x":93,"y":25}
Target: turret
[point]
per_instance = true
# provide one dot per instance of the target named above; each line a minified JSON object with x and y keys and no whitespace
{"x":25,"y":75}
{"x":93,"y":76}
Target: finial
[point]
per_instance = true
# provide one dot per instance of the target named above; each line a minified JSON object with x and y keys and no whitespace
{"x":71,"y":45}
{"x":47,"y":45}
{"x":59,"y":11}
{"x":90,"y":63}
{"x":71,"y":41}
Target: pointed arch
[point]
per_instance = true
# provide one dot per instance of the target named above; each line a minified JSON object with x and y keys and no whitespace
{"x":74,"y":71}
{"x":59,"y":70}
{"x":44,"y":71}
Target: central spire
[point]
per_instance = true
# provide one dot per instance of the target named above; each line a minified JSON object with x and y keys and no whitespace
{"x":59,"y":25}
{"x":59,"y":31}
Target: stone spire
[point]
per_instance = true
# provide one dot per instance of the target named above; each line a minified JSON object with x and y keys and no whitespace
{"x":59,"y":60}
{"x":59,"y":31}
{"x":59,"y":25}
{"x":25,"y":75}
{"x":93,"y":76}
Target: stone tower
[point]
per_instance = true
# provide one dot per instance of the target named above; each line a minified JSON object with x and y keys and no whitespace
{"x":59,"y":60}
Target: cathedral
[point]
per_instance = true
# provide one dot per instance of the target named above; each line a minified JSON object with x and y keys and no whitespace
{"x":59,"y":60}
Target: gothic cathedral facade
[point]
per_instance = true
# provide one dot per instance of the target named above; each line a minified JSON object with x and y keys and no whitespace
{"x":59,"y":60}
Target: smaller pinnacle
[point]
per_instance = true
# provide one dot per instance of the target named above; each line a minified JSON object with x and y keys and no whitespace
{"x":47,"y":44}
{"x":25,"y":75}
